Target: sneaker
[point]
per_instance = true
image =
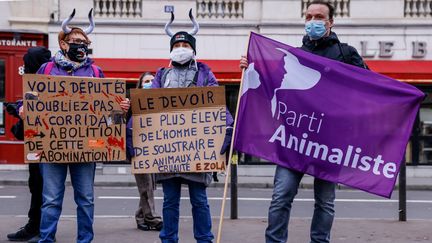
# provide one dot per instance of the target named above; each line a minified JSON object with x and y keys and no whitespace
{"x":146,"y":227}
{"x":22,"y":235}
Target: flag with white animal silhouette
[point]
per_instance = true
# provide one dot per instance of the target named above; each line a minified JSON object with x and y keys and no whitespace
{"x":328,"y":119}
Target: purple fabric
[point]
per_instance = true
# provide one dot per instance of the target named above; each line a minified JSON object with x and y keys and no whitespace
{"x":307,"y":113}
{"x":84,"y":71}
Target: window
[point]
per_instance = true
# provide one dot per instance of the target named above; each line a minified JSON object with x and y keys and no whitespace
{"x":2,"y":96}
{"x":220,"y":9}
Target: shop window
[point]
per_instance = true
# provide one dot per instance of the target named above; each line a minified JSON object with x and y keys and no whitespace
{"x":426,"y":135}
{"x":2,"y":96}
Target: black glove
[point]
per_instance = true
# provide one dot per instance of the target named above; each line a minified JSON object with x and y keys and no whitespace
{"x":227,"y":141}
{"x":215,"y":178}
{"x":18,"y":130}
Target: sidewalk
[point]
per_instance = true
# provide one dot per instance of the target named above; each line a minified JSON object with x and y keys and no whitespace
{"x":258,"y":176}
{"x":111,"y":229}
{"x":122,"y":230}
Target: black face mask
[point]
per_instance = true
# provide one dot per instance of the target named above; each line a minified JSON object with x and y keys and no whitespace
{"x":77,"y":52}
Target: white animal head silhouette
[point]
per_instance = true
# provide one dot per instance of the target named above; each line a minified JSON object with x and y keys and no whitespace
{"x":251,"y":79}
{"x":297,"y":76}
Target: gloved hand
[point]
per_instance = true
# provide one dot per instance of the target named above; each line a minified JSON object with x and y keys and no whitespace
{"x":227,"y":141}
{"x":130,"y":152}
{"x":215,"y":178}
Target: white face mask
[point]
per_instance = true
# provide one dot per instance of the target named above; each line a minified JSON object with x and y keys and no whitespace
{"x":181,"y":55}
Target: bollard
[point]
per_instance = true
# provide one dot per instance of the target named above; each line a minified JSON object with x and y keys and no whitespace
{"x":234,"y":195}
{"x":402,"y":191}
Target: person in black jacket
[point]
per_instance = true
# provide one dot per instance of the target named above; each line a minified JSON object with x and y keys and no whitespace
{"x":322,"y":41}
{"x":33,"y":59}
{"x":328,"y":45}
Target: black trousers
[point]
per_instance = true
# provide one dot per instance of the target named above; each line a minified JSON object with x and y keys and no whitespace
{"x":35,"y":186}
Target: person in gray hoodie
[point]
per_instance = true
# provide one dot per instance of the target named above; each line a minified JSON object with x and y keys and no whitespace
{"x":187,"y":72}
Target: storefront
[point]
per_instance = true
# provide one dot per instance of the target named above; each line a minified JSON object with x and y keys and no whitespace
{"x":418,"y":73}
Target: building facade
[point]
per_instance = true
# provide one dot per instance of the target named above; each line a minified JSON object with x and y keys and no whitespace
{"x":394,"y":36}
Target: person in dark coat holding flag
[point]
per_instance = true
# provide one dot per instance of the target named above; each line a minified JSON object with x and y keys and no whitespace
{"x":322,"y":41}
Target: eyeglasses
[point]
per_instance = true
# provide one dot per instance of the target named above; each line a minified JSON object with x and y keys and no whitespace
{"x":78,"y":41}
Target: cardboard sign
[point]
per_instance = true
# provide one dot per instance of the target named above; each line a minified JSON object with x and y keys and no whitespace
{"x":73,"y":119}
{"x":178,"y":130}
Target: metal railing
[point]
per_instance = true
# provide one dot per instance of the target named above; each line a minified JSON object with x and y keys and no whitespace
{"x":118,"y":8}
{"x":418,"y":8}
{"x":220,"y":8}
{"x":342,"y":7}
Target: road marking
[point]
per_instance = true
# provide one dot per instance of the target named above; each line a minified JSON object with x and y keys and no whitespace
{"x":7,"y":197}
{"x":119,"y":197}
{"x":227,"y":217}
{"x":269,"y":199}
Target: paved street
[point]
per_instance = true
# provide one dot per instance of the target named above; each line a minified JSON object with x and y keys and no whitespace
{"x":252,"y":203}
{"x":360,"y":217}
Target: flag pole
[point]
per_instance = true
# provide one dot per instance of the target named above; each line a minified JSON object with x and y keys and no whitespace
{"x":228,"y":169}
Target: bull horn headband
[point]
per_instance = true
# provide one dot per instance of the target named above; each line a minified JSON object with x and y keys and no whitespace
{"x":87,"y":31}
{"x":192,"y":32}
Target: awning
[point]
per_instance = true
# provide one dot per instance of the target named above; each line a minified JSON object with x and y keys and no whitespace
{"x":228,"y":71}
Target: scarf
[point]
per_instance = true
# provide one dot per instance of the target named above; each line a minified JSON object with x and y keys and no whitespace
{"x":67,"y":64}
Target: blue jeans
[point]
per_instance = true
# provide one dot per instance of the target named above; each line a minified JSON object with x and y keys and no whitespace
{"x":286,"y":183}
{"x":82,"y":178}
{"x":200,"y":211}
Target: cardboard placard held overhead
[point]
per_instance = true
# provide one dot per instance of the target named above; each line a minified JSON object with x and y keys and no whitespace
{"x":73,"y":119}
{"x":178,"y":130}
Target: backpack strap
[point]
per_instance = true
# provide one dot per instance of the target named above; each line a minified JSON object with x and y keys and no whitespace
{"x":95,"y":71}
{"x":343,"y":48}
{"x":346,"y":55}
{"x":48,"y":68}
{"x":195,"y":80}
{"x":164,"y":76}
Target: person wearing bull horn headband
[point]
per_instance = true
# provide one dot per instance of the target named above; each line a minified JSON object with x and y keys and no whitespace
{"x":187,"y":72}
{"x":71,"y":60}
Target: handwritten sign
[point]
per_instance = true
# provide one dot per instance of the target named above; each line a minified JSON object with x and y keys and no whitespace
{"x":178,"y":130}
{"x":73,"y":119}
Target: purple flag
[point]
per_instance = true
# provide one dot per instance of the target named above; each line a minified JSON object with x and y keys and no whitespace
{"x":324,"y":118}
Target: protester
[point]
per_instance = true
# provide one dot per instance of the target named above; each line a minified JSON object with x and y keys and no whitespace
{"x":71,"y":60}
{"x":33,"y":59}
{"x":186,"y":72}
{"x":322,"y":41}
{"x":145,"y":217}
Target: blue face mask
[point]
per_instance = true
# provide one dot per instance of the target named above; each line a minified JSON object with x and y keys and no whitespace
{"x":315,"y":29}
{"x":147,"y":85}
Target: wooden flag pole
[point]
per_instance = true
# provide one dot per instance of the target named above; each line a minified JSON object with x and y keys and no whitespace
{"x":228,"y":170}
